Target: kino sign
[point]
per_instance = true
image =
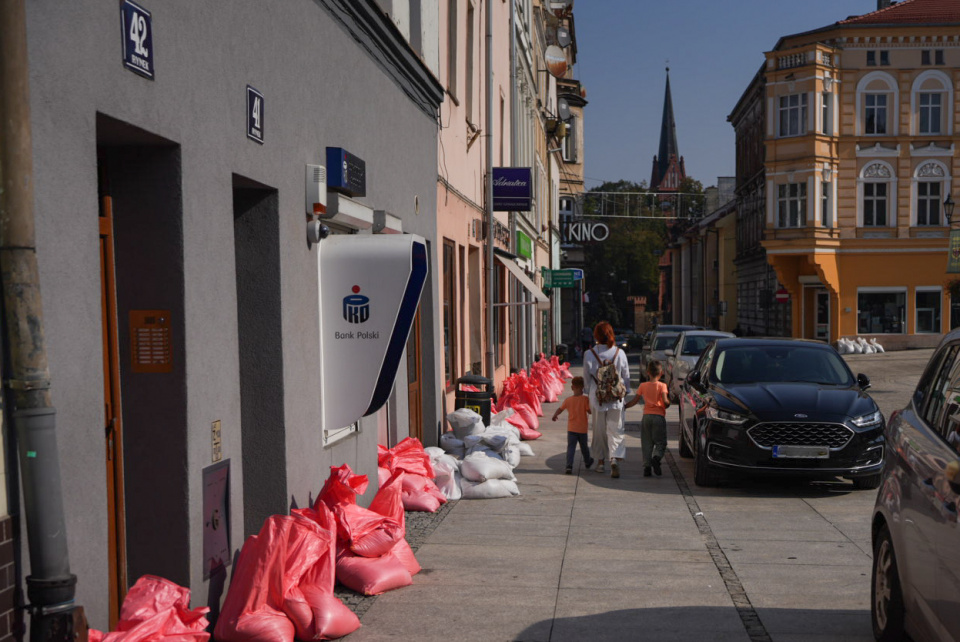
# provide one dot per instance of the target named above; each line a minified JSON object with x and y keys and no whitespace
{"x":584,"y":231}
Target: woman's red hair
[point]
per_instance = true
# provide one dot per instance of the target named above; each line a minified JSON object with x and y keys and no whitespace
{"x":603,"y":333}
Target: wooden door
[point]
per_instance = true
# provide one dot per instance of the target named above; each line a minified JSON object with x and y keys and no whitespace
{"x":111,"y":402}
{"x":415,"y":403}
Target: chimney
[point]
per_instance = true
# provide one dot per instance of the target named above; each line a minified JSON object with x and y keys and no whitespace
{"x":882,"y":4}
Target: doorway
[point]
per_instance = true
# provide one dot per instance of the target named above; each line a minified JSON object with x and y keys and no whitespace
{"x":822,"y":312}
{"x":415,"y":401}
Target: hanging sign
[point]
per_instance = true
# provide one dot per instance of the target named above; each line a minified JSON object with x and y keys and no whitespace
{"x":953,"y":256}
{"x":524,"y":245}
{"x":512,"y":189}
{"x":370,"y":286}
{"x":254,"y":115}
{"x":137,"y":26}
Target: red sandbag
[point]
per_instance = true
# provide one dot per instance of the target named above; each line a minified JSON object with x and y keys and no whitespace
{"x":383,"y":474}
{"x":157,"y":609}
{"x":421,"y":494}
{"x":404,"y":553}
{"x":410,"y":457}
{"x":388,"y":502}
{"x":528,"y":415}
{"x":421,"y":502}
{"x":277,"y":580}
{"x":365,"y":532}
{"x":342,"y":487}
{"x":518,"y":422}
{"x":372,"y":575}
{"x":531,"y":397}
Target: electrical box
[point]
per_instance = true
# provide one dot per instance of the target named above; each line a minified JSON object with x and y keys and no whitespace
{"x":316,"y":196}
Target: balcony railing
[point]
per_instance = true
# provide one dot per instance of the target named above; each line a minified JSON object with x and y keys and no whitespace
{"x":792,"y":60}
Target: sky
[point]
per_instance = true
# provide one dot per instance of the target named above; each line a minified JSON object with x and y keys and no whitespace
{"x":714,"y":50}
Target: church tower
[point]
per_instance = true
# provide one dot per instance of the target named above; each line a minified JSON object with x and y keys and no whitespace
{"x":668,"y":171}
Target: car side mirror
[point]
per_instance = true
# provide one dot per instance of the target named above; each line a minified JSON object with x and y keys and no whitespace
{"x":863,"y":381}
{"x":669,"y":352}
{"x":693,"y":379}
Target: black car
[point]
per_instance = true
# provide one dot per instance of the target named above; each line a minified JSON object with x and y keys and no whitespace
{"x":787,"y":406}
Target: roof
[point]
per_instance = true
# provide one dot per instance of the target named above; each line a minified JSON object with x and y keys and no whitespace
{"x":766,"y":341}
{"x":910,"y":12}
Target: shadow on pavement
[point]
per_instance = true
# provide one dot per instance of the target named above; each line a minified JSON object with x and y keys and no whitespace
{"x":700,"y":623}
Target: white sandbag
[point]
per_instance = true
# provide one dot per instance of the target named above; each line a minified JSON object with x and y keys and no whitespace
{"x":450,"y":460}
{"x":434,"y":452}
{"x":449,"y":442}
{"x":502,"y":416}
{"x":482,"y":449}
{"x":525,"y":449}
{"x":511,"y":431}
{"x":472,"y":440}
{"x":876,"y":346}
{"x":465,"y":422}
{"x":479,"y":467}
{"x":511,"y":455}
{"x":448,"y":478}
{"x":496,"y":442}
{"x":490,"y":489}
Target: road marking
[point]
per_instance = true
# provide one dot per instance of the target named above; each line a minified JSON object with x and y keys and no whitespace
{"x":748,"y":614}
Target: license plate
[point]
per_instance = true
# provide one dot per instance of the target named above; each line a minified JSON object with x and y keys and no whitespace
{"x":801,"y":452}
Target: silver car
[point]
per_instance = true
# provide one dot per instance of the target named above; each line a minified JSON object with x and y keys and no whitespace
{"x":681,"y":358}
{"x":916,"y":530}
{"x":661,"y":342}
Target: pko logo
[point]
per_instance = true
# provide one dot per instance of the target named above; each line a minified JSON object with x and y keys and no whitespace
{"x":356,"y":307}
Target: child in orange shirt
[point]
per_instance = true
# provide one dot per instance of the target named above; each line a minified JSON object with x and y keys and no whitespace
{"x":578,"y":407}
{"x":653,"y":430}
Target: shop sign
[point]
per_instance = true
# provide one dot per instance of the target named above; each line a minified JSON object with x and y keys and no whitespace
{"x":346,"y":173}
{"x":524,"y":245}
{"x":583,"y":231}
{"x":370,"y":287}
{"x":953,"y":256}
{"x":137,"y":25}
{"x":512,"y":189}
{"x":254,"y":115}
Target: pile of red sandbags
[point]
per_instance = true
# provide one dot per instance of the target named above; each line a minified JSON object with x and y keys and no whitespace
{"x":372,"y":555}
{"x":419,"y":491}
{"x":282,"y":586}
{"x":525,"y":393}
{"x":157,"y":609}
{"x":548,"y":378}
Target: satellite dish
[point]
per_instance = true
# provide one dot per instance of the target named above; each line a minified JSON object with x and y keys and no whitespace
{"x":563,"y":108}
{"x":563,"y":37}
{"x":556,"y":61}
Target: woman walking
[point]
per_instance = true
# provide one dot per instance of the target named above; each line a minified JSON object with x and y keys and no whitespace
{"x":606,"y":396}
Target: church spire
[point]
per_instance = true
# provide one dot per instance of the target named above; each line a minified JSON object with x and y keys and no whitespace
{"x":668,"y":170}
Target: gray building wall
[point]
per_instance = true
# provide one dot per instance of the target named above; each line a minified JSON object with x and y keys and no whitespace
{"x":323,"y":86}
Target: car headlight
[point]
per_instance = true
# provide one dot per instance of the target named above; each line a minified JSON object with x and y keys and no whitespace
{"x":725,"y":416}
{"x":868,"y":420}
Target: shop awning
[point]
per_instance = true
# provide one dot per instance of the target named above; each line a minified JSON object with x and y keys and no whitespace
{"x":541,"y":300}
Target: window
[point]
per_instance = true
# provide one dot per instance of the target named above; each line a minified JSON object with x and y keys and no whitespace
{"x":885,"y":58}
{"x":468,"y":92}
{"x":792,"y":205}
{"x":874,"y":204}
{"x":875,"y":114}
{"x":826,"y":211}
{"x":499,"y":313}
{"x":449,"y":322}
{"x":936,"y":385}
{"x":826,"y":113}
{"x":931,"y":57}
{"x":793,"y":115}
{"x":928,"y":203}
{"x":566,"y":206}
{"x":570,"y":141}
{"x":877,"y":206}
{"x":881,"y":312}
{"x":452,"y":47}
{"x":872,"y":58}
{"x":930,"y":113}
{"x":928,"y":310}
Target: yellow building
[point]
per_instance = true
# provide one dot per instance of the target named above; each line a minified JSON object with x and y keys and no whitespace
{"x":860,"y":145}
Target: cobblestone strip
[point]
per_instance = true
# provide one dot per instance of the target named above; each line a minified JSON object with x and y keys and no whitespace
{"x":420,"y":526}
{"x":748,"y":615}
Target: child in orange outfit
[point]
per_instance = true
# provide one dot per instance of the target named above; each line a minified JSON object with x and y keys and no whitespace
{"x":578,"y":407}
{"x":653,"y":430}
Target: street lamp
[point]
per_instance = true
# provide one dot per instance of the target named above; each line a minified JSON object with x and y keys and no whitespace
{"x":948,"y":209}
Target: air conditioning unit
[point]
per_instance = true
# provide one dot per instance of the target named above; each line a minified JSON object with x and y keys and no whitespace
{"x":316,"y":190}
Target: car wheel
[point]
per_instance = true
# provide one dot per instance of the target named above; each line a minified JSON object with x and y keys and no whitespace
{"x":868,"y":482}
{"x":886,"y":596}
{"x":683,"y":448}
{"x":703,"y":473}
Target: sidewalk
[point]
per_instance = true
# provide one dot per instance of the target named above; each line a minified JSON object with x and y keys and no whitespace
{"x":574,"y":557}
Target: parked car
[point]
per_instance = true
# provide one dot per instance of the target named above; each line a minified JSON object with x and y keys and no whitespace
{"x":916,"y":547}
{"x":787,"y":406}
{"x":661,"y":342}
{"x":681,"y":358}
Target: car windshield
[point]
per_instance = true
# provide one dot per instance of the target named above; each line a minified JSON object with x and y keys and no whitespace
{"x":665,"y":343}
{"x":752,"y":364}
{"x":694,"y":345}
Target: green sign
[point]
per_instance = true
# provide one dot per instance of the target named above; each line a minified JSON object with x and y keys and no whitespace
{"x":559,"y":278}
{"x":953,"y":256}
{"x":524,"y":245}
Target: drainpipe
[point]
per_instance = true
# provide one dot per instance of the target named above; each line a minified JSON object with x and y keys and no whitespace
{"x":51,"y":586}
{"x":489,"y":190}
{"x":515,"y":314}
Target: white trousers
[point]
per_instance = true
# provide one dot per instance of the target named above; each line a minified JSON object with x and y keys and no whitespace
{"x":608,"y":434}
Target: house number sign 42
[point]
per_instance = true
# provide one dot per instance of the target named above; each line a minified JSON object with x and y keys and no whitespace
{"x":137,"y":27}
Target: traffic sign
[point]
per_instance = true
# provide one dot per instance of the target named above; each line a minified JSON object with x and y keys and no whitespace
{"x":577,"y":274}
{"x":782,"y":295}
{"x":558,"y":278}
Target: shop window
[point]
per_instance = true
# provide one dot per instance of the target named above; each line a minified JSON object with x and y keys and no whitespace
{"x":881,"y":311}
{"x":928,"y":305}
{"x":793,"y":115}
{"x":792,"y":205}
